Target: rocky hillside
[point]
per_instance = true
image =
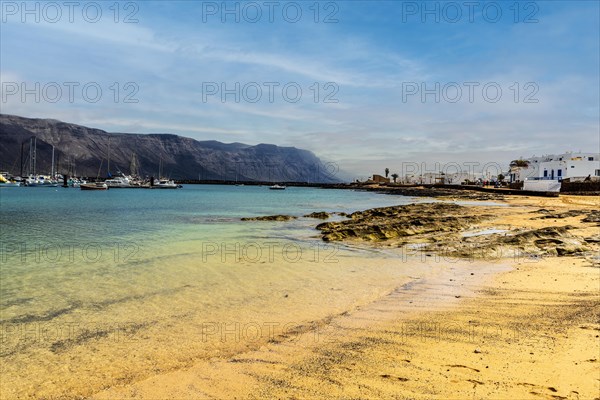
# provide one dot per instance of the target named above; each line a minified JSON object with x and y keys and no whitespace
{"x":86,"y":150}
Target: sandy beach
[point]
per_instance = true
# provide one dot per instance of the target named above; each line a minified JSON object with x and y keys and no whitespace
{"x":487,"y":326}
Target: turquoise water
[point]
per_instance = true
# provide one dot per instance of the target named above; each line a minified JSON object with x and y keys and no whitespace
{"x":55,"y":224}
{"x":131,"y":281}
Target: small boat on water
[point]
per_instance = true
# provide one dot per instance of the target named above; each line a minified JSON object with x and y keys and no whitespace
{"x":121,"y":182}
{"x":277,"y":187}
{"x":164,"y":184}
{"x":94,"y":186}
{"x":5,"y":181}
{"x":75,"y":182}
{"x":40,"y":181}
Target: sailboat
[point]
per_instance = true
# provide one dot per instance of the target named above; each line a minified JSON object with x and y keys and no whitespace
{"x":163,"y":183}
{"x":34,"y":180}
{"x":95,"y":185}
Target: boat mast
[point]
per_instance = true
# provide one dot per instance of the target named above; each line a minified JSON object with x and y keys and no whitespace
{"x":22,"y":143}
{"x":108,"y":157}
{"x":134,"y":167}
{"x":32,"y":151}
{"x":52,"y":169}
{"x":30,"y":172}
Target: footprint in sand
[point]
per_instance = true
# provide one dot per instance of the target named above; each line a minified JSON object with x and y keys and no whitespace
{"x":401,"y":379}
{"x":462,"y":366}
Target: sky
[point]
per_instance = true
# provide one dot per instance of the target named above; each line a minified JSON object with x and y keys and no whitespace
{"x":367,"y":85}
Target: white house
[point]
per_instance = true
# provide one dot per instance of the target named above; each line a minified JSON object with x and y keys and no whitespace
{"x":431,"y":178}
{"x":556,"y":167}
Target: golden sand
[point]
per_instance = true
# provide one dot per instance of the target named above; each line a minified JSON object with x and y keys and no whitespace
{"x":508,"y":329}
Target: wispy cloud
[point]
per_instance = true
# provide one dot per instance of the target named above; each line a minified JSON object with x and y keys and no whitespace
{"x":370,"y":54}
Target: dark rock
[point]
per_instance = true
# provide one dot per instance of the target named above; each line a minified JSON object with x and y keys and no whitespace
{"x":550,"y":241}
{"x":593,"y":216}
{"x":380,"y":224}
{"x":593,"y":239}
{"x":270,"y":218}
{"x":318,"y":215}
{"x":560,"y":215}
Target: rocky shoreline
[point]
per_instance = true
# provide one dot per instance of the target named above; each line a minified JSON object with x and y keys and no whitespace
{"x":434,"y":192}
{"x":465,"y":232}
{"x":451,"y":229}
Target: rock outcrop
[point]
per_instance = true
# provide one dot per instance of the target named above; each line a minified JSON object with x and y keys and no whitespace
{"x":318,"y":215}
{"x":447,"y":229}
{"x":270,"y":218}
{"x":380,"y":224}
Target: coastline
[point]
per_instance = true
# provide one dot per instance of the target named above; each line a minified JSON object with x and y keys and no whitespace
{"x":523,"y":329}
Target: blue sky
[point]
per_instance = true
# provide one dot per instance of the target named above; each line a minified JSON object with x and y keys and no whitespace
{"x":369,"y":61}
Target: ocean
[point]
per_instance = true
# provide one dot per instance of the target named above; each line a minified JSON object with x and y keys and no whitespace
{"x":102,"y":288}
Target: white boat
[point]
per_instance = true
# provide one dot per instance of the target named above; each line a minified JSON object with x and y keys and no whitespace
{"x":164,"y":184}
{"x":75,"y":182}
{"x":94,"y":186}
{"x":40,"y":181}
{"x":277,"y":187}
{"x":120,"y":182}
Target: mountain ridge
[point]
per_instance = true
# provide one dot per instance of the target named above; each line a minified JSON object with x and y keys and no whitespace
{"x":85,"y":151}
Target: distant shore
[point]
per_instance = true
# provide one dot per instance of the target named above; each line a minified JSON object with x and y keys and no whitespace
{"x":415,"y":190}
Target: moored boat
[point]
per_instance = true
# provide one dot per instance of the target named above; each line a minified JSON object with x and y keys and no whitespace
{"x":277,"y":187}
{"x":164,"y":184}
{"x":120,"y":182}
{"x":75,"y":182}
{"x":94,"y":186}
{"x":5,"y":181}
{"x":40,"y":181}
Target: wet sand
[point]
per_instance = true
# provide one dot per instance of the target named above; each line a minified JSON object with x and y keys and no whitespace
{"x":513,"y":327}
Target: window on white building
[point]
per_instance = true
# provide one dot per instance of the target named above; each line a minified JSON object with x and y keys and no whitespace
{"x":590,"y":158}
{"x":598,"y":172}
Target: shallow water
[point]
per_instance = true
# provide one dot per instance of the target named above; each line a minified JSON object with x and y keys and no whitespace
{"x":103,"y":288}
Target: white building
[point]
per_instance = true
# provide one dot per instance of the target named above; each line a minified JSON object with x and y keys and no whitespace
{"x":556,"y":167}
{"x":431,"y":178}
